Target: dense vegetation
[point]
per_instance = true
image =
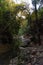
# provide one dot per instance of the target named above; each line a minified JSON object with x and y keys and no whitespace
{"x":17,"y":20}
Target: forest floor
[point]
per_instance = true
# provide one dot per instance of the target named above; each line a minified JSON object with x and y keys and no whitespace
{"x":29,"y":55}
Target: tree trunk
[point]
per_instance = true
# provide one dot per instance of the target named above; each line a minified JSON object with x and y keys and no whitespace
{"x":37,"y":24}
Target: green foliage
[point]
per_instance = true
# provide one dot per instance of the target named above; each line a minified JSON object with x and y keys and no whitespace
{"x":8,"y":21}
{"x":23,"y":28}
{"x":8,"y":15}
{"x":40,"y":12}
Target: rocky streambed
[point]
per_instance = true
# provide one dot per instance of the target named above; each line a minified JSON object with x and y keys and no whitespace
{"x":29,"y":56}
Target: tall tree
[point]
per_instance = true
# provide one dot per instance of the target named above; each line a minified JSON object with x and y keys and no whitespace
{"x":35,"y":2}
{"x":9,"y":25}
